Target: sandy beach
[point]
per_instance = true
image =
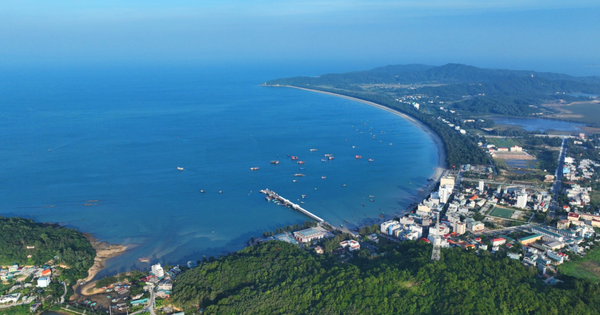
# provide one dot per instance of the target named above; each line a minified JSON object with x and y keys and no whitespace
{"x":104,"y":251}
{"x":441,"y":167}
{"x":436,"y":139}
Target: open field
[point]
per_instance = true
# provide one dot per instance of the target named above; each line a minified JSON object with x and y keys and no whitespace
{"x":588,"y":267}
{"x":504,"y":142}
{"x":501,"y":212}
{"x":578,"y":111}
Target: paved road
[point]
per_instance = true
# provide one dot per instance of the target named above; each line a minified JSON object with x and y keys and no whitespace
{"x":62,"y":298}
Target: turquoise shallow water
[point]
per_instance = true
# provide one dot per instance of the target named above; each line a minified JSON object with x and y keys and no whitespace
{"x":113,"y":139}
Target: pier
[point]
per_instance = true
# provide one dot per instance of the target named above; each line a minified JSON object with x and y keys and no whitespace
{"x":274,"y":196}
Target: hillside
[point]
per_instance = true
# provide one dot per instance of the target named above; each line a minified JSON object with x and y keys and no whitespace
{"x":22,"y":237}
{"x":279,"y":278}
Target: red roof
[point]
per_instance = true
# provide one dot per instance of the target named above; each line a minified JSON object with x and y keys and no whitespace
{"x":473,"y":198}
{"x":425,"y":240}
{"x":498,"y":239}
{"x":573,"y":215}
{"x":509,"y":245}
{"x":45,"y":272}
{"x":477,"y":239}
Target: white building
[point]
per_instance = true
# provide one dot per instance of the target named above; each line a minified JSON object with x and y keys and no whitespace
{"x":459,"y":227}
{"x":43,"y":282}
{"x":481,"y":186}
{"x":351,"y":244}
{"x":521,"y":200}
{"x":444,"y":193}
{"x":448,"y":181}
{"x":158,"y":270}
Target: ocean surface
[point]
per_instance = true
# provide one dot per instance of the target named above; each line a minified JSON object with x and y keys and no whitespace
{"x":97,"y":149}
{"x":537,"y":124}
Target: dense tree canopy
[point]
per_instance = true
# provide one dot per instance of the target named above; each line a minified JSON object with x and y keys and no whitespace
{"x":279,"y":278}
{"x":48,"y":241}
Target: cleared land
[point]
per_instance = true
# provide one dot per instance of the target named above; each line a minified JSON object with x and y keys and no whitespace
{"x":588,"y":267}
{"x":504,"y":142}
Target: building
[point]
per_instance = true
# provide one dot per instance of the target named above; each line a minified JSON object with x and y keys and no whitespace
{"x":481,"y":186}
{"x":516,"y":149}
{"x":498,"y":241}
{"x":459,"y":227}
{"x":563,"y":224}
{"x":308,"y":235}
{"x":351,"y":244}
{"x":285,"y":237}
{"x":43,"y":282}
{"x":157,"y":271}
{"x":423,"y":209}
{"x":447,"y":181}
{"x":530,"y":239}
{"x":444,"y":193}
{"x":475,"y":226}
{"x":502,"y":149}
{"x":319,"y":250}
{"x":547,"y":234}
{"x":572,"y":216}
{"x":521,"y":200}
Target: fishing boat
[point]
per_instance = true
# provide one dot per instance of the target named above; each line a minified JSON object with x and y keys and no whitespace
{"x":299,"y":175}
{"x":275,"y":162}
{"x":330,"y":157}
{"x":300,"y":162}
{"x":358,"y":156}
{"x":202,"y":191}
{"x":303,"y":196}
{"x":344,"y":185}
{"x":371,"y":196}
{"x":144,"y":259}
{"x":179,"y":168}
{"x":254,"y":168}
{"x":302,"y":168}
{"x":323,"y":177}
{"x":293,"y":181}
{"x":313,"y":150}
{"x":294,"y":157}
{"x":323,"y":160}
{"x":371,"y":160}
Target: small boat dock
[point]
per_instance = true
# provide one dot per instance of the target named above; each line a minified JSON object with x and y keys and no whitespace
{"x":274,"y":196}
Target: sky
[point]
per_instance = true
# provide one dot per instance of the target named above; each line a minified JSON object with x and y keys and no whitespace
{"x":550,"y":35}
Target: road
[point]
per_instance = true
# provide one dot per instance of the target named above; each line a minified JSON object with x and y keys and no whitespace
{"x":151,"y":305}
{"x":62,"y":298}
{"x":556,"y":187}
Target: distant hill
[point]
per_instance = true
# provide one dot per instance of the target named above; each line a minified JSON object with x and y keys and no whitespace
{"x":424,"y":74}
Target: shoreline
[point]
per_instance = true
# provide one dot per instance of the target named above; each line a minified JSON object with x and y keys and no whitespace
{"x":104,"y":252}
{"x":440,"y":169}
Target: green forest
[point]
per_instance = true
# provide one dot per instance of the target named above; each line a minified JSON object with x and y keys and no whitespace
{"x":279,"y":278}
{"x":50,"y":241}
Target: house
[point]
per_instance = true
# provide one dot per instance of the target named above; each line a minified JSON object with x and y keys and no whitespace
{"x":157,"y":270}
{"x":43,"y":282}
{"x":351,"y":244}
{"x":498,"y":241}
{"x":319,"y":250}
{"x":47,"y":272}
{"x":573,"y":216}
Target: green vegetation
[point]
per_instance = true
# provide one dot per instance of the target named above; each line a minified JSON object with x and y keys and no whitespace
{"x":502,"y":212}
{"x":588,"y":112}
{"x":587,"y":267}
{"x":51,"y":242}
{"x":279,"y":278}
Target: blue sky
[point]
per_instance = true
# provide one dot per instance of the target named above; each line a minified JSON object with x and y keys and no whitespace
{"x":540,"y":35}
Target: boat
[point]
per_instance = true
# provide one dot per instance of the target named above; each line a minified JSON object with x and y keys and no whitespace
{"x":323,"y":160}
{"x":179,"y":168}
{"x":371,"y":160}
{"x":275,"y":162}
{"x":254,"y":168}
{"x":300,"y":162}
{"x":353,"y":147}
{"x":358,"y":156}
{"x":372,"y":200}
{"x":323,"y":177}
{"x":144,"y":259}
{"x":303,"y":196}
{"x":202,"y":190}
{"x":293,"y":181}
{"x":299,"y":175}
{"x":344,"y":185}
{"x":220,"y":191}
{"x":362,"y":204}
{"x":330,"y":157}
{"x":294,"y":157}
{"x":302,"y":202}
{"x":371,"y":196}
{"x":313,"y":150}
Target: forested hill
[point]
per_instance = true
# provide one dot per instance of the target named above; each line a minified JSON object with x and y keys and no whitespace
{"x":446,"y":74}
{"x":279,"y":278}
{"x":45,"y":242}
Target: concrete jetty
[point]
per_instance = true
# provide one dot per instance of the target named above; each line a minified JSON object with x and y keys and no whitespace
{"x":274,"y":196}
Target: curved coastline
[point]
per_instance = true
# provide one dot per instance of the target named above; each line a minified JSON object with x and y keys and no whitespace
{"x":441,"y":167}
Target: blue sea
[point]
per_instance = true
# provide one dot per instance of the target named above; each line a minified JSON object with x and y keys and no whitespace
{"x":97,"y":149}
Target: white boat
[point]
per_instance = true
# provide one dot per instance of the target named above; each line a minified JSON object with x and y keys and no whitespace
{"x":179,"y":168}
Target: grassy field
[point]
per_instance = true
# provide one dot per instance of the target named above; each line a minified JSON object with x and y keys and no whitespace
{"x":501,"y":212}
{"x":590,"y":112}
{"x":588,"y":267}
{"x":504,"y":142}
